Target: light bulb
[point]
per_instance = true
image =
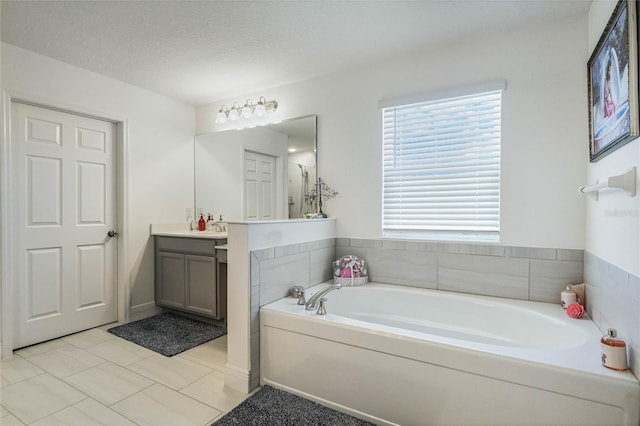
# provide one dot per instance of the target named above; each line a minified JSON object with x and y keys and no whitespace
{"x":233,"y":113}
{"x":259,"y":110}
{"x":221,"y":118}
{"x":246,"y":110}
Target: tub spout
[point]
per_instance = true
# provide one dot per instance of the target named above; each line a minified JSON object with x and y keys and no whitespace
{"x":311,"y":304}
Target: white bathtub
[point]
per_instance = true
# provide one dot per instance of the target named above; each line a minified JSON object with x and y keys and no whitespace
{"x":401,"y":355}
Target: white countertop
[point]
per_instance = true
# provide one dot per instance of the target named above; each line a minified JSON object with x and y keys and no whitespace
{"x":181,"y":230}
{"x":272,"y":221}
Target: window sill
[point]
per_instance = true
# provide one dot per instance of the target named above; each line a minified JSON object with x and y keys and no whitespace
{"x":444,"y":236}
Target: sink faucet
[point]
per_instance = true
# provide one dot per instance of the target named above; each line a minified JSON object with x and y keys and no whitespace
{"x":311,"y":304}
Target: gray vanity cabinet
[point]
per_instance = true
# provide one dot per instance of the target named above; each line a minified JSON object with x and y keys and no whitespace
{"x":186,"y":276}
{"x":201,"y":285}
{"x":170,"y":280}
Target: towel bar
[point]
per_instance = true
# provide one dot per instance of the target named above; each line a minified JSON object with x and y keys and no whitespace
{"x":625,"y":182}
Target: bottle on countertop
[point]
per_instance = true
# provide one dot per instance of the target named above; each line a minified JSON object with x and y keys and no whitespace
{"x":201,"y":223}
{"x":568,"y":297}
{"x":209,"y":222}
{"x":613,"y":351}
{"x":218,"y":226}
{"x":190,"y":218}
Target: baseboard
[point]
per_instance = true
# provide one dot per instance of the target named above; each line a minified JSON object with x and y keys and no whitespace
{"x":237,"y":379}
{"x":144,"y":310}
{"x":254,"y":383}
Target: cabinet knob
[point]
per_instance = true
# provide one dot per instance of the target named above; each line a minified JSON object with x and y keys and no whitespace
{"x":112,"y":234}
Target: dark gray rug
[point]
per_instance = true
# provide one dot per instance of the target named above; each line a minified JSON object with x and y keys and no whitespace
{"x":168,"y":333}
{"x":274,"y":407}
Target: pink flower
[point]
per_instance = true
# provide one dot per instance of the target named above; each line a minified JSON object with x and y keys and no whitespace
{"x":575,"y":310}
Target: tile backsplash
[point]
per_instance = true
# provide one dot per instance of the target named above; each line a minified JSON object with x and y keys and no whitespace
{"x":527,"y":273}
{"x":613,"y":301}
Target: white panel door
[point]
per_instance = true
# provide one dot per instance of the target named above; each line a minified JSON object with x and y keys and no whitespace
{"x":259,"y":186}
{"x":64,"y":185}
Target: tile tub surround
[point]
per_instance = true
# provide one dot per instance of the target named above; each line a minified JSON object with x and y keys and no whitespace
{"x":526,"y":273}
{"x":274,"y":271}
{"x":537,"y":274}
{"x":613,"y":301}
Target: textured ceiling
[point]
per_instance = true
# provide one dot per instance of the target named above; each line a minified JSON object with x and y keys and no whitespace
{"x":201,"y":51}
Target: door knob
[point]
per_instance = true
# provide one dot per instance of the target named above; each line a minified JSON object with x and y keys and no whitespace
{"x":112,"y":234}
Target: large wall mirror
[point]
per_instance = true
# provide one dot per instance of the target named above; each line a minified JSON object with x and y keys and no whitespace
{"x":260,"y":173}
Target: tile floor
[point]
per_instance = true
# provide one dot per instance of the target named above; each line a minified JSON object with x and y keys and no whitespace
{"x":96,"y":378}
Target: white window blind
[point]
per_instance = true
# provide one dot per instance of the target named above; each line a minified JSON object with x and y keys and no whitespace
{"x":441,"y":171}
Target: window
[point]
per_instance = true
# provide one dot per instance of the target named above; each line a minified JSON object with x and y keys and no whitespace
{"x":441,"y":166}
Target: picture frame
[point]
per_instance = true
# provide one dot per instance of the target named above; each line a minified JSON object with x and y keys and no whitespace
{"x":613,"y":84}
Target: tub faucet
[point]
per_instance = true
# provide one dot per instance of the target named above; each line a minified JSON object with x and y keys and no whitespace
{"x":311,"y":304}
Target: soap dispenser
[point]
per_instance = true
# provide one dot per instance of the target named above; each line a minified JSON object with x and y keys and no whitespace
{"x":201,"y":223}
{"x":209,"y":222}
{"x":568,"y":297}
{"x":221,"y":225}
{"x":613,"y":351}
{"x":190,"y":218}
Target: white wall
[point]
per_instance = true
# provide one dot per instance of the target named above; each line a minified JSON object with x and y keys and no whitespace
{"x":613,"y":222}
{"x":544,"y":127}
{"x":219,"y":160}
{"x":2,"y":190}
{"x":160,"y":145}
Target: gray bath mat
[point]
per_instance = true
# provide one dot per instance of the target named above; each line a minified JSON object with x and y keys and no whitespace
{"x":168,"y":334}
{"x":273,"y":407}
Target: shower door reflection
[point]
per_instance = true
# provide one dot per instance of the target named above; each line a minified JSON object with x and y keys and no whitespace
{"x":302,"y":176}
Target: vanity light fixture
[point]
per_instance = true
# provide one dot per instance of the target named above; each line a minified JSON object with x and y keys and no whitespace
{"x":246,"y":112}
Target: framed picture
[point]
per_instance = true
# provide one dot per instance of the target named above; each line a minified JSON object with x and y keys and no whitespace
{"x":613,"y":84}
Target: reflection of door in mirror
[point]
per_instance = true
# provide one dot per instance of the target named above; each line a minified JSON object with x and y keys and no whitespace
{"x":259,"y":186}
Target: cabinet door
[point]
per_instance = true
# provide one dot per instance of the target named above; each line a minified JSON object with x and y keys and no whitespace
{"x":201,"y":285}
{"x":170,"y":287}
